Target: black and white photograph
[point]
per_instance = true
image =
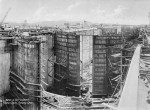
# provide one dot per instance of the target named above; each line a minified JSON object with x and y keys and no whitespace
{"x":74,"y":54}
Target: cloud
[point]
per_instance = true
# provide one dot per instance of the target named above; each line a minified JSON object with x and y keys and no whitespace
{"x":39,"y":15}
{"x":104,"y":16}
{"x":44,"y":14}
{"x":0,"y":7}
{"x":101,"y":11}
{"x":119,"y":10}
{"x":75,"y":5}
{"x":97,"y":15}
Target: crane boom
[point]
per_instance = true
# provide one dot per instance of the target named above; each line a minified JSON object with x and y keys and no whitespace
{"x":5,"y":16}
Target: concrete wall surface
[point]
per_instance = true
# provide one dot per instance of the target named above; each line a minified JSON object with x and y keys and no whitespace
{"x":4,"y":69}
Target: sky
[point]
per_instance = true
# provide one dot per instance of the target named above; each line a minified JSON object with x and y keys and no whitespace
{"x":96,"y":11}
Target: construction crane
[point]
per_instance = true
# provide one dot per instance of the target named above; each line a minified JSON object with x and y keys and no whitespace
{"x":4,"y":17}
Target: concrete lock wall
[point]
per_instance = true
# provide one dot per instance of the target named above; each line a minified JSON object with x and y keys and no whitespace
{"x":85,"y":49}
{"x":67,"y":69}
{"x":30,"y":63}
{"x":103,"y":47}
{"x":43,"y":62}
{"x":4,"y":68}
{"x":50,"y":63}
{"x":25,"y":66}
{"x":46,"y":58}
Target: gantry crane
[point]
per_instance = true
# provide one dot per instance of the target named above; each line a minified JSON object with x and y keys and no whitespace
{"x":4,"y":17}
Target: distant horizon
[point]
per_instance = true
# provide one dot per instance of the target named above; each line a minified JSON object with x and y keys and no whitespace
{"x":71,"y":22}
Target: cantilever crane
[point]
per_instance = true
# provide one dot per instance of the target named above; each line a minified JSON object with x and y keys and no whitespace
{"x":4,"y":17}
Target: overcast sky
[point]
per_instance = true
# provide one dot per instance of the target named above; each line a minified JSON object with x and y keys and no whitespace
{"x":100,"y":11}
